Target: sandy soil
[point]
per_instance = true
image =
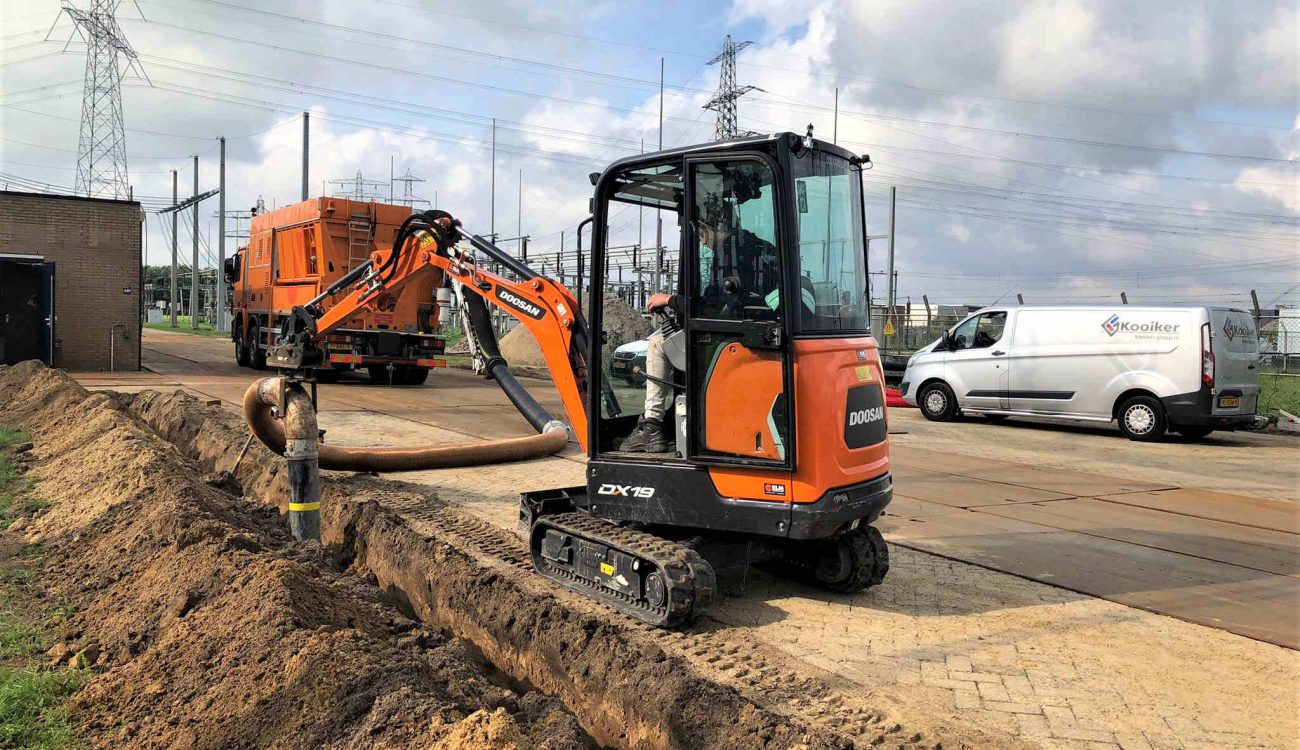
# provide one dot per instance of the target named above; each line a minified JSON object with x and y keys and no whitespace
{"x":209,"y":628}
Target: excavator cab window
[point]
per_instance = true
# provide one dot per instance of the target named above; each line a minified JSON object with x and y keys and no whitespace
{"x":646,"y":203}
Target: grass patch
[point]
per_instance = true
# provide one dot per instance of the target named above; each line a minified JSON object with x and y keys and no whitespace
{"x":183,"y":326}
{"x":1279,"y":392}
{"x":31,"y":708}
{"x":32,"y":712}
{"x":13,"y":436}
{"x":17,"y":638}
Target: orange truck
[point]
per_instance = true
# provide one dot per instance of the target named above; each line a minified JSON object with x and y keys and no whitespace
{"x":294,"y":253}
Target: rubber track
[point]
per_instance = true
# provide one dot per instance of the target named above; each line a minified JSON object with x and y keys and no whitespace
{"x":690,"y":581}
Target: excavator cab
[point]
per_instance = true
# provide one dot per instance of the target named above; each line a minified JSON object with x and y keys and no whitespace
{"x":773,"y":392}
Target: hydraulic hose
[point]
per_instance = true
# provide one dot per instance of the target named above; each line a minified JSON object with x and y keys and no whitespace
{"x":497,"y":368}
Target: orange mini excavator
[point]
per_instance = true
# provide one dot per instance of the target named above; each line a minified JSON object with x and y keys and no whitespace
{"x":775,"y":448}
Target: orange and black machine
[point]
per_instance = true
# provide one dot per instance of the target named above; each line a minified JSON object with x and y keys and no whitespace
{"x":778,"y":450}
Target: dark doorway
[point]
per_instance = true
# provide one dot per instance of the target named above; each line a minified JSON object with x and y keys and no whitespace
{"x":26,"y":311}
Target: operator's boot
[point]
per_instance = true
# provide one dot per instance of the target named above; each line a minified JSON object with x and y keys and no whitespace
{"x":647,"y":437}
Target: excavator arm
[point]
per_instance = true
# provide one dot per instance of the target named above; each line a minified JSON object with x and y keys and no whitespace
{"x":427,"y":244}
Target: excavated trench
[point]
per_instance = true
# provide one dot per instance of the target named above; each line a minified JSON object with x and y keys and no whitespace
{"x":217,"y":631}
{"x":624,"y":689}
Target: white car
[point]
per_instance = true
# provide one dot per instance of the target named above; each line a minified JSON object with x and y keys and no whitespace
{"x":628,"y":361}
{"x":1151,"y":369}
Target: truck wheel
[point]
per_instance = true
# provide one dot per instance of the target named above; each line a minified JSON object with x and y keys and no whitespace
{"x":1194,"y":432}
{"x":241,"y":351}
{"x":937,"y":402}
{"x":256,"y":352}
{"x":1142,"y":418}
{"x":327,"y":376}
{"x":416,"y":375}
{"x":379,"y":374}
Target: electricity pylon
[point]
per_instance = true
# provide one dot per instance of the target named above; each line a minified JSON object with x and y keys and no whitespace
{"x":101,"y":152}
{"x":724,"y":102}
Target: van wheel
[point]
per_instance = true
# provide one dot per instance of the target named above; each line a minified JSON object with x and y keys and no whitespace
{"x":1194,"y":432}
{"x":937,"y":402}
{"x":1142,"y":418}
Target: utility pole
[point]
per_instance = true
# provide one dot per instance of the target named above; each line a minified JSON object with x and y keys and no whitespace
{"x":659,"y":220}
{"x":724,"y":102}
{"x":519,"y":219}
{"x":175,"y":295}
{"x":889,"y":273}
{"x":101,"y":150}
{"x":835,"y":123}
{"x":194,"y":267}
{"x":219,"y":285}
{"x":492,"y":221}
{"x":306,"y":150}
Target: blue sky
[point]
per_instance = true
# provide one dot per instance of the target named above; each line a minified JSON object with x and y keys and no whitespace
{"x":1061,"y":149}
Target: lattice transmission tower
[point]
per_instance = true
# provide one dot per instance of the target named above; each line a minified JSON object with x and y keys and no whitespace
{"x":408,"y":197}
{"x":101,"y":152}
{"x":724,"y":102}
{"x":359,"y":188}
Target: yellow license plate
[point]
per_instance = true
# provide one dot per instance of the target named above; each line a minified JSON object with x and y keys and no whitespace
{"x":620,"y":365}
{"x":1229,"y":402}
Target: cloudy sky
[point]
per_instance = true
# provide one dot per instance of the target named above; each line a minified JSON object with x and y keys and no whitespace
{"x":1059,"y":149}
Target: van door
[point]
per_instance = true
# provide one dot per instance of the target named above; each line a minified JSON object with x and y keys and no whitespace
{"x":976,"y":365}
{"x":1236,"y":355}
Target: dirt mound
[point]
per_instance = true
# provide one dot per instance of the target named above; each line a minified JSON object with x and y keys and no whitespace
{"x":211,"y":629}
{"x":621,"y":321}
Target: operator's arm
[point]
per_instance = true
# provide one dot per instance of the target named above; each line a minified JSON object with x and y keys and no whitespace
{"x":663,"y":299}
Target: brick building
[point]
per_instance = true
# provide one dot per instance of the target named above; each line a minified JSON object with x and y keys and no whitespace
{"x":88,"y":251}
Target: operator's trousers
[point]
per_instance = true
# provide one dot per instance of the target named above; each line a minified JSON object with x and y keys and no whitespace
{"x":660,"y":371}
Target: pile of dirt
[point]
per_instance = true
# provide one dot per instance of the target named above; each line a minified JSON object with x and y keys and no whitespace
{"x":209,"y":628}
{"x":621,"y":322}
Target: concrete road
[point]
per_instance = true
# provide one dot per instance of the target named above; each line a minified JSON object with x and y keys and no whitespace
{"x":984,"y":518}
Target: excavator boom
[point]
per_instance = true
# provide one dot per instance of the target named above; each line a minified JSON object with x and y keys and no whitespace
{"x":428,"y":246}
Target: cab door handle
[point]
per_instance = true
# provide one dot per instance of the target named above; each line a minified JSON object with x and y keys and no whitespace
{"x":998,"y":353}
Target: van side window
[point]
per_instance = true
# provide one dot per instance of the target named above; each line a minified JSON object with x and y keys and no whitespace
{"x":980,"y":331}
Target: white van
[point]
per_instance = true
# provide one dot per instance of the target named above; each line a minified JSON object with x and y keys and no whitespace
{"x":1190,"y":369}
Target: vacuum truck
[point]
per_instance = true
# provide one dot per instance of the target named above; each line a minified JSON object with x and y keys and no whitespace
{"x":295,"y":252}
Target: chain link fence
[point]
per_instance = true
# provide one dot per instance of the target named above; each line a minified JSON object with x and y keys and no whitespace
{"x":907,"y":328}
{"x":1279,"y":342}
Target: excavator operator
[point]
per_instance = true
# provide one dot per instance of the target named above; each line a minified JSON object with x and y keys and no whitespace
{"x":726,"y":291}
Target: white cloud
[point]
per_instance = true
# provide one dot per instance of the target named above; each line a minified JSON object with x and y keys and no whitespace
{"x":959,"y":232}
